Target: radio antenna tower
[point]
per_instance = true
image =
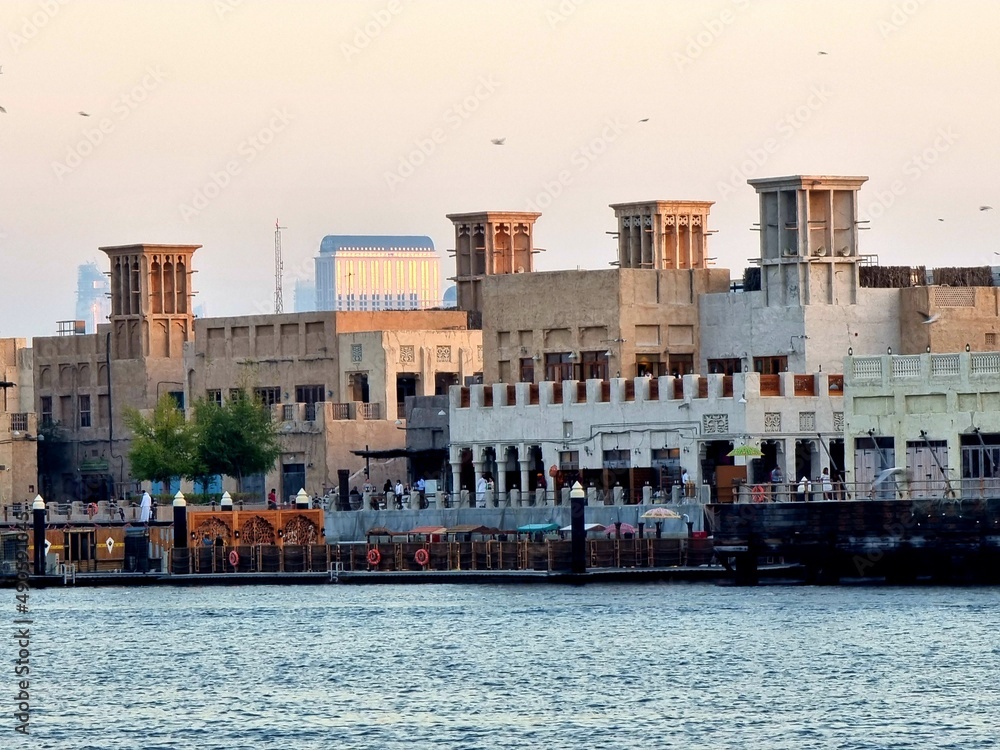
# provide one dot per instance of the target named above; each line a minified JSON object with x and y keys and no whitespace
{"x":278,"y":267}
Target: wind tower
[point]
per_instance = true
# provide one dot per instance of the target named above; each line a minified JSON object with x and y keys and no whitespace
{"x":809,"y":239}
{"x":490,"y":243}
{"x":278,"y":267}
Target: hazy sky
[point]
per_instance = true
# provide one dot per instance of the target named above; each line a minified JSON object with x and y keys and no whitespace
{"x":209,"y":119}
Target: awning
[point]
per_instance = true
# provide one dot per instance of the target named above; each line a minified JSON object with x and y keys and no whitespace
{"x":532,"y":527}
{"x":428,"y":530}
{"x":586,"y":527}
{"x":469,"y":529}
{"x":383,"y":531}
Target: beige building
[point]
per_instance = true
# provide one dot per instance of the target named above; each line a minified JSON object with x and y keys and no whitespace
{"x":18,"y":424}
{"x":84,"y":383}
{"x":638,"y":319}
{"x":337,"y":382}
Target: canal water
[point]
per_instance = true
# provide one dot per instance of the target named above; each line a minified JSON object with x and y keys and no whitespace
{"x":499,"y":666}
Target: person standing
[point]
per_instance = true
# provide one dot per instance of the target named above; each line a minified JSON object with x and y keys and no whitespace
{"x":776,"y":480}
{"x":481,"y":492}
{"x":399,"y":494}
{"x":272,"y":499}
{"x":827,"y":485}
{"x":145,"y":508}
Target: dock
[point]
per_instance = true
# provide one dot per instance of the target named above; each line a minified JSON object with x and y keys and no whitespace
{"x":898,"y":541}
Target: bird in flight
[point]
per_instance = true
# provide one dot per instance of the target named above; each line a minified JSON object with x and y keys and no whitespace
{"x":83,"y":114}
{"x":3,"y":111}
{"x":498,"y":141}
{"x":986,"y":208}
{"x":928,"y":318}
{"x":821,"y":52}
{"x":940,"y":219}
{"x":644,"y":119}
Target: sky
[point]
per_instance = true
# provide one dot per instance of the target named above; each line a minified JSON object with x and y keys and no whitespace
{"x":211,"y":119}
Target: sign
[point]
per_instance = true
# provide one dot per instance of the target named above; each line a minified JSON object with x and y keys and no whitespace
{"x":110,"y":544}
{"x":48,"y":545}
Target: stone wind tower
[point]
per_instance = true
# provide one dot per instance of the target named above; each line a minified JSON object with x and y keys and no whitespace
{"x":662,"y":234}
{"x":809,"y":240}
{"x":150,"y":300}
{"x":489,"y":243}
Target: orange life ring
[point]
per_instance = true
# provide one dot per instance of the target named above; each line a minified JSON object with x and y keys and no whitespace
{"x":757,"y":494}
{"x":422,"y":556}
{"x":374,"y":556}
{"x":234,"y":558}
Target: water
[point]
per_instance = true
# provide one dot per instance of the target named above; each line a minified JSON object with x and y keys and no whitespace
{"x":541,"y":667}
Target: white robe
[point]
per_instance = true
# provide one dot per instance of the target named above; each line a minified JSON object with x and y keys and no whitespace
{"x":145,"y":507}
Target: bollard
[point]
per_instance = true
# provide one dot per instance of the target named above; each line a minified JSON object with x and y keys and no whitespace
{"x":618,"y":493}
{"x":514,"y":498}
{"x":578,"y":544}
{"x":591,"y":495}
{"x":344,"y":491}
{"x":301,"y":500}
{"x":647,"y":494}
{"x":226,"y":503}
{"x":38,"y":522}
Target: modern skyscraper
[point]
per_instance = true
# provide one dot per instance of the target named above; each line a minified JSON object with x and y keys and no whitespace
{"x":375,"y":272}
{"x":93,"y":303}
{"x":305,"y":295}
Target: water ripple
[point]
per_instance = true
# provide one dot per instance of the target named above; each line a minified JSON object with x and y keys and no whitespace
{"x":516,"y":667}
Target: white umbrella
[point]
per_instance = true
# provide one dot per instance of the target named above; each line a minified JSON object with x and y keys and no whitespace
{"x":144,"y":507}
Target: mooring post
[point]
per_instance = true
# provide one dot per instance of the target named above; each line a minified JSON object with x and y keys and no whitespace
{"x":578,"y":545}
{"x":38,"y":521}
{"x":179,"y":560}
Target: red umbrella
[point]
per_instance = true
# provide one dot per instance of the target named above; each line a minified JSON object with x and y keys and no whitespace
{"x":626,"y":528}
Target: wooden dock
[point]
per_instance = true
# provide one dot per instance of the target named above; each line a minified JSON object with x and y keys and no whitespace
{"x":900,"y":541}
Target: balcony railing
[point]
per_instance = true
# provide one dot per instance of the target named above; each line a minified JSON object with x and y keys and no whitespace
{"x":370,"y":411}
{"x":18,"y":422}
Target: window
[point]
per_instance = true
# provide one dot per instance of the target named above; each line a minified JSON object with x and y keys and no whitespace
{"x":268,"y":396}
{"x":559,"y":366}
{"x":310,"y":395}
{"x":681,"y":364}
{"x":770,"y":365}
{"x":649,"y":365}
{"x":46,"y":411}
{"x":728,"y":366}
{"x":214,"y":396}
{"x":527,"y":370}
{"x":178,"y":397}
{"x":83,"y":404}
{"x":594,"y":365}
{"x":235,"y":394}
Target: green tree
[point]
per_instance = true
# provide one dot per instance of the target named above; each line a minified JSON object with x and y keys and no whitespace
{"x":238,"y":438}
{"x":163,"y":444}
